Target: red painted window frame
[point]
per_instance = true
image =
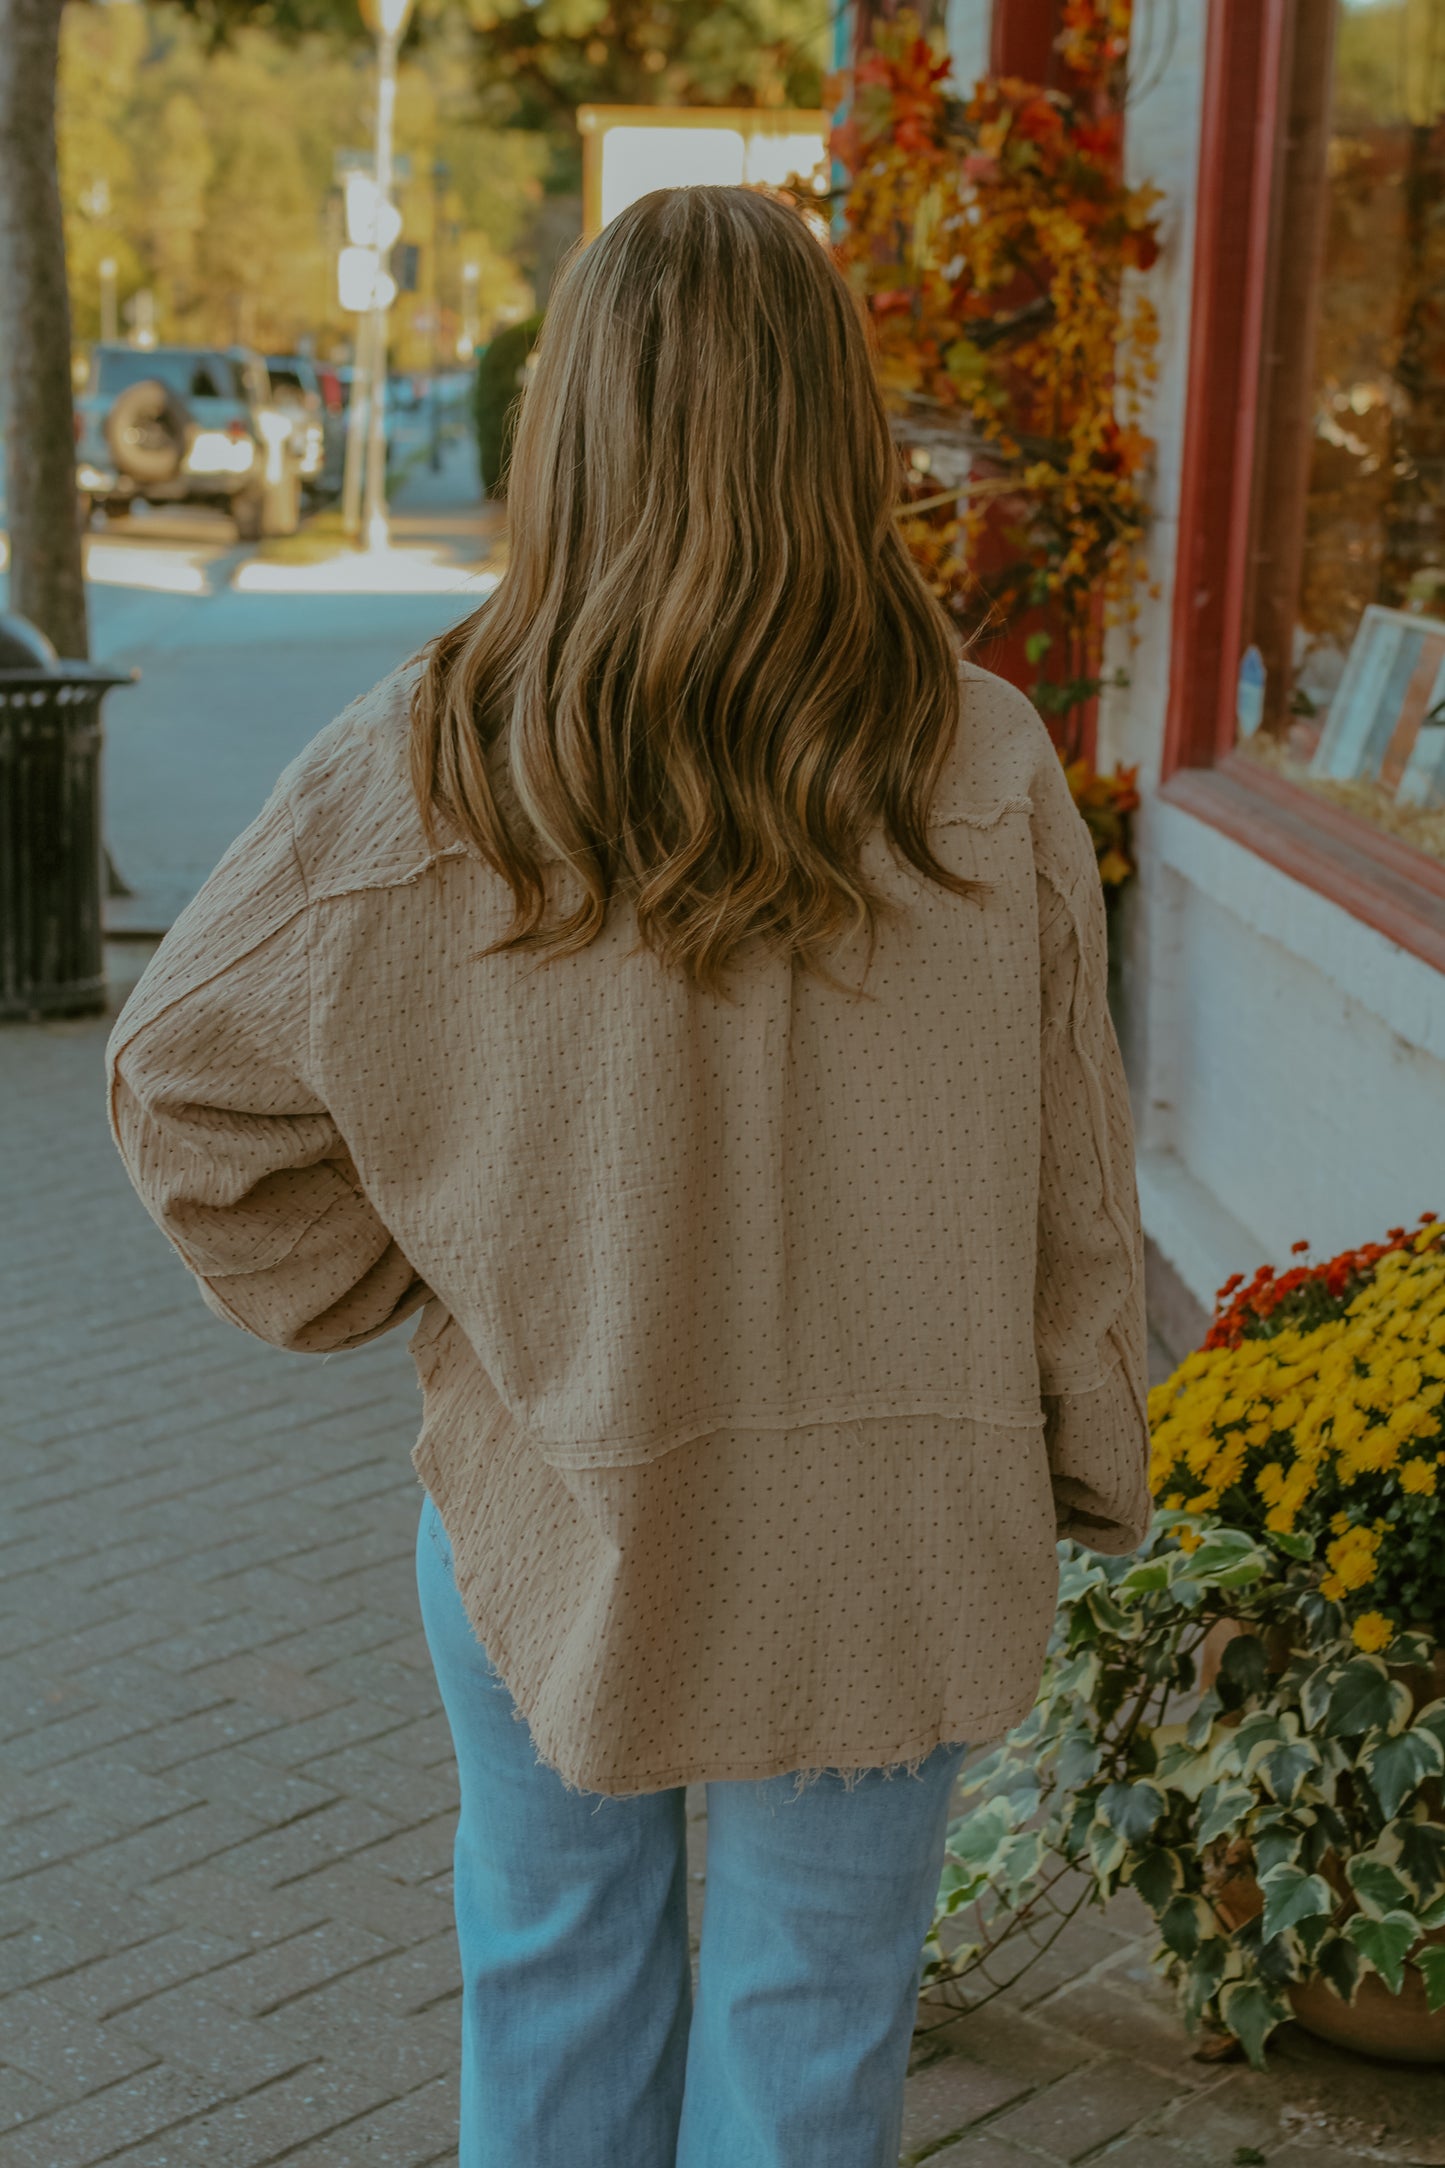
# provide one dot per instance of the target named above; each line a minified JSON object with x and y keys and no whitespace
{"x":1021,"y":39}
{"x":1387,"y":883}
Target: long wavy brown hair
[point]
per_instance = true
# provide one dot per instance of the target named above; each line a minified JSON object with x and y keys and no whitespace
{"x":710,"y":668}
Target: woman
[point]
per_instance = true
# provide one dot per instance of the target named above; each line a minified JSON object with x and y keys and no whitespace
{"x":687,"y":989}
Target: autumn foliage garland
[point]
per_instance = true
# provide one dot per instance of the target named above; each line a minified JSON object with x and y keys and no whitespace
{"x":989,"y":239}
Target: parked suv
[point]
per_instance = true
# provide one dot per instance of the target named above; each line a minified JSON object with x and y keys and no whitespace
{"x":312,"y":397}
{"x":187,"y":425}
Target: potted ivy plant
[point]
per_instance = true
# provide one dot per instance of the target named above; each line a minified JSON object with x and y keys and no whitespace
{"x":1245,"y":1721}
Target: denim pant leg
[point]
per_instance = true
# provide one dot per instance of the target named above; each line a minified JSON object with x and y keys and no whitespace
{"x":817,"y":1905}
{"x":572,"y":1927}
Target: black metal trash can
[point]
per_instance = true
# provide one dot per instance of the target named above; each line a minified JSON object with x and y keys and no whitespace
{"x":51,"y":958}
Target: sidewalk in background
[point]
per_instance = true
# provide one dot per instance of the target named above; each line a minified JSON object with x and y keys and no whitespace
{"x":243,"y":666}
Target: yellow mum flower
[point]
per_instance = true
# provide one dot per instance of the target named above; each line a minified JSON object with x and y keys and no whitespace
{"x":1405,"y":1381}
{"x":1352,"y":1558}
{"x":1372,"y":1631}
{"x":1270,"y":1482}
{"x":1418,"y":1477}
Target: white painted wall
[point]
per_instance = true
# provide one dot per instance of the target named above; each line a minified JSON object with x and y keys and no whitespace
{"x":968,"y":24}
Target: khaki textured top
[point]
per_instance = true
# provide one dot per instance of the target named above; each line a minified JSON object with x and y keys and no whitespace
{"x":766,"y":1342}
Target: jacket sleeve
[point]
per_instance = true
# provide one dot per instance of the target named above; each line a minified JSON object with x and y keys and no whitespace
{"x":1089,"y":1299}
{"x":232,"y":1151}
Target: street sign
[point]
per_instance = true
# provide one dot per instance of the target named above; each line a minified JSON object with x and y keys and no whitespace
{"x":361,"y":284}
{"x":369,"y":223}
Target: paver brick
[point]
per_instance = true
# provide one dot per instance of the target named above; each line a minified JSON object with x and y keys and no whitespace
{"x":298,"y":1847}
{"x":188,"y":2027}
{"x":413,"y":2132}
{"x":272,"y":1795}
{"x":22,"y":2098}
{"x":984,"y":2150}
{"x":68,"y":2053}
{"x":235,"y":1905}
{"x":949,"y":2096}
{"x":1082,"y":2111}
{"x":99,"y":2126}
{"x":183,"y":1840}
{"x":268,"y":1978}
{"x":250,"y":2130}
{"x":108,"y":1984}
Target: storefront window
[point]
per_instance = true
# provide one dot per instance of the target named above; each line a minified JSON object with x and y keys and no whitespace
{"x":1342,"y":684}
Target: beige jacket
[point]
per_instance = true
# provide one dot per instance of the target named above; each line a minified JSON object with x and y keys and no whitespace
{"x":766,"y":1342}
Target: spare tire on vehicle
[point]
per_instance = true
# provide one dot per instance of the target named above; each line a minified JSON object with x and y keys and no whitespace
{"x":146,"y":429}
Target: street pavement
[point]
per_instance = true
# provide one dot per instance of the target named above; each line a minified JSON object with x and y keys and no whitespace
{"x":245,"y":653}
{"x":226,"y":1785}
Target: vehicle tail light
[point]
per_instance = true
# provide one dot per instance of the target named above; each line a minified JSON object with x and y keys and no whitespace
{"x":237,"y":432}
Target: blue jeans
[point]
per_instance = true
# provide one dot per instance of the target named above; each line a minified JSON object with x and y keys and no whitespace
{"x":580,"y":2044}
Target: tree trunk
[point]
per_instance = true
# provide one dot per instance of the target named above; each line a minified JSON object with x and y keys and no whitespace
{"x":47,"y":583}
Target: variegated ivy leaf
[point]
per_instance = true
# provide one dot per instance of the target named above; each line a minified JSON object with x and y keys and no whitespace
{"x":1132,"y":1809}
{"x":1266,"y":1728}
{"x":1201,"y":1979}
{"x":1158,"y":1875}
{"x":1079,"y":1756}
{"x":1433,"y":1915}
{"x":1287,"y":1769}
{"x":1144,"y":1578}
{"x":1222,"y":1808}
{"x":1277,"y":1843}
{"x":1018,"y":1864}
{"x":1290,"y":1896}
{"x":1106,"y":1849}
{"x":1315,"y":1688}
{"x":1396,"y":1767}
{"x":1365,"y":1698}
{"x":1337,"y":1962}
{"x":1432,"y":1718}
{"x":1431,"y":1961}
{"x":1187,"y":1924}
{"x":1385,"y":1943}
{"x":977,"y":1838}
{"x":1252,"y":2011}
{"x":1078,"y":1676}
{"x":959,"y":1886}
{"x":1377,"y":1885}
{"x":1181,"y":1768}
{"x":1201,"y":1723}
{"x":1243,"y":1664}
{"x":1417,"y":1850}
{"x":1412,"y":1648}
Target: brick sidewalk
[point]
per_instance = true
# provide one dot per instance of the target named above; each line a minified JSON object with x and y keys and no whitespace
{"x":225,"y":1934}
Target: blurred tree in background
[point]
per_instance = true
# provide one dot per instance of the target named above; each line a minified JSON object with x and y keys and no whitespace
{"x":207,"y":174}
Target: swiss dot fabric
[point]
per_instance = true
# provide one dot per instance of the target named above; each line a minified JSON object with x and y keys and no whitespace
{"x":766,"y":1341}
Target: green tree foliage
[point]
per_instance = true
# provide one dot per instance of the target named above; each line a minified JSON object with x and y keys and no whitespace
{"x":495,"y":394}
{"x":541,"y":59}
{"x":207,"y":172}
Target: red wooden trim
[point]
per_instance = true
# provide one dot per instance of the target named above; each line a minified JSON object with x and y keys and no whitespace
{"x":1239,"y":130}
{"x":1375,"y":877}
{"x":1021,"y":40}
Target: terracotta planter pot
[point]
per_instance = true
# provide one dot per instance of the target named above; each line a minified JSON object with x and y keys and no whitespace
{"x":1394,"y":2028}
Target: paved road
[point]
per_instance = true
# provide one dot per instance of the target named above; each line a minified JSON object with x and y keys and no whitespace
{"x":245,"y":653}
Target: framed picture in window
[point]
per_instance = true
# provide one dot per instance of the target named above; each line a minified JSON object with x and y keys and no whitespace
{"x":1386,"y":722}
